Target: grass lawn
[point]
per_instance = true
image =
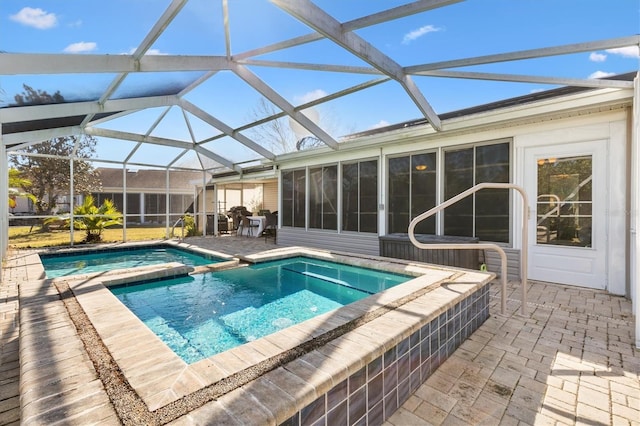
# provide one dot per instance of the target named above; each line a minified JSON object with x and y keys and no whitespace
{"x":25,"y":237}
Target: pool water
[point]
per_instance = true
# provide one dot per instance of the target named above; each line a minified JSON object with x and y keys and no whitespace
{"x":60,"y":265}
{"x":201,"y":315}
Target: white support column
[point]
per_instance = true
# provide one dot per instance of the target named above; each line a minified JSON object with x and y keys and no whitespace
{"x":71,"y":193}
{"x":142,"y":208}
{"x":167,"y":217}
{"x":635,"y":207}
{"x":4,"y":201}
{"x":124,"y":202}
{"x":216,"y":210}
{"x":195,"y":204}
{"x":204,"y":203}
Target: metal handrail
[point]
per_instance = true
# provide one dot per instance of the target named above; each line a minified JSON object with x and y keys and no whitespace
{"x":489,"y":246}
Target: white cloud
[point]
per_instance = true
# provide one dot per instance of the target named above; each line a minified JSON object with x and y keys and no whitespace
{"x":156,"y":52}
{"x":311,"y":96}
{"x":601,"y":74}
{"x":409,"y":37}
{"x":379,"y":124}
{"x":36,"y":18}
{"x":81,"y":47}
{"x":597,"y":57}
{"x":151,"y":52}
{"x":627,"y":52}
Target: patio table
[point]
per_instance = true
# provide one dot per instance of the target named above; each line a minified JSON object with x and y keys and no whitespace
{"x":257,"y":226}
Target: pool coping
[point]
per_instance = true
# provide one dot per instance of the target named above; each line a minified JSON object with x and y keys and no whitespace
{"x":161,"y":378}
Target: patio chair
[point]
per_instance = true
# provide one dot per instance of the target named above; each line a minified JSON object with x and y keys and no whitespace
{"x":237,"y":223}
{"x":271,"y":227}
{"x":247,"y":224}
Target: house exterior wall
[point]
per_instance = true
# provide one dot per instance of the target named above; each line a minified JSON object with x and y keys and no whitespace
{"x":606,"y":123}
{"x":270,"y":195}
{"x":609,"y":129}
{"x":366,"y":244}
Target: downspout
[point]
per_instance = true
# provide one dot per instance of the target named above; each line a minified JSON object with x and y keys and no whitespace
{"x":382,"y":196}
{"x":635,"y":208}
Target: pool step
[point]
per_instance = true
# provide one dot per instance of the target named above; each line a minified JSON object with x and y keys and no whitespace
{"x":254,"y":322}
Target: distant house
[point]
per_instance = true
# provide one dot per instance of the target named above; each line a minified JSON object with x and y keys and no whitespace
{"x":147,"y":191}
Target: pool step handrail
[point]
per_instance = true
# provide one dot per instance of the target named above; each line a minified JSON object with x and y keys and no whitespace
{"x":488,"y":246}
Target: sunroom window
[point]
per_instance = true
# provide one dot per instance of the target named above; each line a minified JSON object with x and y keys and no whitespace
{"x":486,"y":213}
{"x":293,"y":198}
{"x":323,"y":197}
{"x":360,"y":196}
{"x":412,"y":190}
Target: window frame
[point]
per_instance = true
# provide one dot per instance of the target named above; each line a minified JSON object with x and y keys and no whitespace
{"x":474,"y":147}
{"x":310,"y":212}
{"x":440,"y":189}
{"x":410,"y":193}
{"x":360,"y":213}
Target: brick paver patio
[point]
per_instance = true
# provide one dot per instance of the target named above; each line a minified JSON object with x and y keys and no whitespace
{"x":570,"y":360}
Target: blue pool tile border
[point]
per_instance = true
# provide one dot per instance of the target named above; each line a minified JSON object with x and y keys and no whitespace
{"x":373,"y":393}
{"x":84,"y":251}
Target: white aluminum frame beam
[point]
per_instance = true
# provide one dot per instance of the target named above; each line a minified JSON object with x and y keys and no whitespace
{"x":227,"y":130}
{"x":114,"y":134}
{"x":40,"y":112}
{"x":592,"y":82}
{"x":529,"y":54}
{"x":322,"y":22}
{"x":31,"y":63}
{"x":363,"y":22}
{"x":169,"y":14}
{"x":250,"y":78}
{"x":37,"y":136}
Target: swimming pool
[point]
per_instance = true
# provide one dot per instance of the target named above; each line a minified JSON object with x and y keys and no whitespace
{"x":397,"y":337}
{"x":201,"y":315}
{"x":91,"y":261}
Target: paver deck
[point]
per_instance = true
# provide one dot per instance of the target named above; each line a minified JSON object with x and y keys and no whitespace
{"x":570,"y":360}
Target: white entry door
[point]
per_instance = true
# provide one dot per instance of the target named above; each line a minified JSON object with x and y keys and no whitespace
{"x":568,"y":196}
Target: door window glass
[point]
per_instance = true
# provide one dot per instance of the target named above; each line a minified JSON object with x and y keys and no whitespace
{"x":565,"y":201}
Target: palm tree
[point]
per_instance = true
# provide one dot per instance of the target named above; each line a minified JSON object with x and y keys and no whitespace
{"x":94,"y":219}
{"x":16,"y":183}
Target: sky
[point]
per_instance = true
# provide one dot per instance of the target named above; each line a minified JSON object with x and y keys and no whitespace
{"x":466,"y":29}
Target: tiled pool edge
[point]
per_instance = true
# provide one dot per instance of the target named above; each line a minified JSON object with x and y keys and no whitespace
{"x":304,"y":391}
{"x":308,"y":388}
{"x":374,"y":393}
{"x":126,"y":335}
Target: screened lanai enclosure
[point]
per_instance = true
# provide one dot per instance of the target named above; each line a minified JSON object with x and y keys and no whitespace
{"x":198,"y":106}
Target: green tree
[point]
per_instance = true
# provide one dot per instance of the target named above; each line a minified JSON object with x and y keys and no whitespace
{"x":46,"y":164}
{"x":93,"y":220}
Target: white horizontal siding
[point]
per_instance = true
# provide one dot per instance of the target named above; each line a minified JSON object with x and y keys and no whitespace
{"x":368,"y":244}
{"x":351,"y":242}
{"x":270,"y":195}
